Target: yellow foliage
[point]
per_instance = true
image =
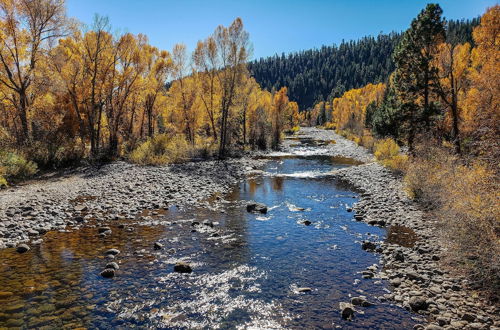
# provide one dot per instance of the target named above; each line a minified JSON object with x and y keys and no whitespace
{"x":465,"y":200}
{"x":161,"y":149}
{"x":386,"y":149}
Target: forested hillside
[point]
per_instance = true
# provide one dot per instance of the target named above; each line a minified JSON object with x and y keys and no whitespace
{"x":325,"y":73}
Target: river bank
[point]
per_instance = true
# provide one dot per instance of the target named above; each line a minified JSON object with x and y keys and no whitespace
{"x":114,"y":191}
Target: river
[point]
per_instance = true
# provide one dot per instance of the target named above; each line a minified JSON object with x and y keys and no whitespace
{"x":288,"y":268}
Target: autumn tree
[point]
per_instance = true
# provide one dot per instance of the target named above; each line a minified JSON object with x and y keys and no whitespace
{"x":27,"y":29}
{"x":452,"y":63}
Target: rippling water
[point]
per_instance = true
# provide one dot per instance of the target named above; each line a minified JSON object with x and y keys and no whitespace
{"x":247,"y":269}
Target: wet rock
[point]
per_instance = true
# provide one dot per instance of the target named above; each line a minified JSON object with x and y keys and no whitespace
{"x":418,"y":303}
{"x":182,"y":267}
{"x":22,"y":248}
{"x":195,"y":223}
{"x":358,"y":217}
{"x":307,"y":222}
{"x":158,"y":246}
{"x":360,"y":301}
{"x":346,"y":310}
{"x":208,"y":223}
{"x":368,"y":246}
{"x":112,"y":265}
{"x":112,"y":252}
{"x":255,"y":207}
{"x":108,"y":273}
{"x":304,"y":289}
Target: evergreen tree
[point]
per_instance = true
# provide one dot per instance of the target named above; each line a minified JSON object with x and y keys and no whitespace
{"x":414,"y":70}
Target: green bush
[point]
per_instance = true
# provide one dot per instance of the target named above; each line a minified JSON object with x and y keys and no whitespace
{"x":161,"y":149}
{"x":14,"y":167}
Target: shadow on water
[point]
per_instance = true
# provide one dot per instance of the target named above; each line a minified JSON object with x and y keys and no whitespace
{"x":247,"y":267}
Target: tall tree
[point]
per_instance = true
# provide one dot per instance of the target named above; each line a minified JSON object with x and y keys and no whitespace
{"x":27,"y":29}
{"x":415,"y":72}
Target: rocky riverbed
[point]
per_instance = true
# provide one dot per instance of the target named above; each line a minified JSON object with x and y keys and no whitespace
{"x":410,"y":255}
{"x":112,"y":192}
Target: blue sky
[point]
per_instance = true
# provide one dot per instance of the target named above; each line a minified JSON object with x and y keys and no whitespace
{"x":275,"y":26}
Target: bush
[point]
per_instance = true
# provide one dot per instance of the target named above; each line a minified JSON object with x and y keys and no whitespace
{"x":14,"y":167}
{"x":55,"y":155}
{"x":465,"y":200}
{"x":162,"y":149}
{"x":386,"y":149}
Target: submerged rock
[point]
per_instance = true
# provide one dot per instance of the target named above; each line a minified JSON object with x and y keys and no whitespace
{"x":182,"y":267}
{"x":307,"y":222}
{"x":360,"y":301}
{"x":108,"y":273}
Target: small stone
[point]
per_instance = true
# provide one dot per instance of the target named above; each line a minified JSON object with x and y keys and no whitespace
{"x":158,"y":246}
{"x":369,"y":246}
{"x":418,"y":303}
{"x":101,"y":230}
{"x":113,"y":252}
{"x":346,"y":310}
{"x":304,"y":289}
{"x":256,"y":207}
{"x":182,"y":267}
{"x":108,"y":273}
{"x":22,"y":248}
{"x":112,"y":265}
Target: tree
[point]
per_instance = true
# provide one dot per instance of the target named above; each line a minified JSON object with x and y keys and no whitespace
{"x":27,"y":29}
{"x":415,"y":72}
{"x":230,"y":58}
{"x":452,"y":63}
{"x":280,"y":103}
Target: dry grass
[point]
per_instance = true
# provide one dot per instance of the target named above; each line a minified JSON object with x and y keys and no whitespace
{"x":466,"y":199}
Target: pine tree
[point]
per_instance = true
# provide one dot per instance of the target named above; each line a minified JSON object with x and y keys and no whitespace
{"x":414,"y":72}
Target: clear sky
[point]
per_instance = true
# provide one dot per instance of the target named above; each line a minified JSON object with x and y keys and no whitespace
{"x":275,"y":26}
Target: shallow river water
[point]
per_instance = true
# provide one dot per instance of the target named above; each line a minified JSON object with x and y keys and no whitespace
{"x":247,"y":269}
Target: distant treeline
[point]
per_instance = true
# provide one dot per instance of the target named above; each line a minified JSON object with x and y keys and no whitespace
{"x":326,"y":73}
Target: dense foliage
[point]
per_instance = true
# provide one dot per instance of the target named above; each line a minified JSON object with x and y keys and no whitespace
{"x":322,"y":74}
{"x":70,"y":92}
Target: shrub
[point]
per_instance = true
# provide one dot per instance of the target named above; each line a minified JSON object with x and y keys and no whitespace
{"x":161,"y":149}
{"x":55,"y":155}
{"x":386,"y":149}
{"x":398,"y":163}
{"x":465,"y":200}
{"x":14,"y":167}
